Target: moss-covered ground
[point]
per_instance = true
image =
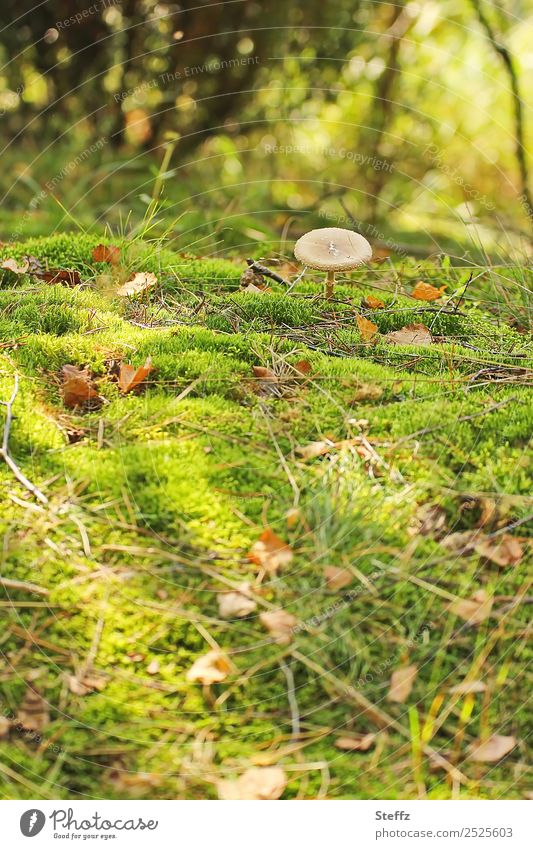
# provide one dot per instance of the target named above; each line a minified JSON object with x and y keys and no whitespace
{"x":156,"y":498}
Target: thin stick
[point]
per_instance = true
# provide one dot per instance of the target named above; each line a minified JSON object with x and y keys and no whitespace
{"x":291,"y":696}
{"x":266,"y":272}
{"x":4,"y":450}
{"x":11,"y":584}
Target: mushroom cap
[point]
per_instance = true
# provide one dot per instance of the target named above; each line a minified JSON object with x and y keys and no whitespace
{"x":332,"y":249}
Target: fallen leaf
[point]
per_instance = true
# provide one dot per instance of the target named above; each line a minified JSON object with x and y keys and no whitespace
{"x":367,"y":328}
{"x":367,"y":392}
{"x":252,"y":289}
{"x":356,"y":743}
{"x":401,"y":683}
{"x":467,"y":687}
{"x":462,"y":542}
{"x":82,"y":686}
{"x":427,"y":292}
{"x":264,"y":373}
{"x":475,"y":609}
{"x":491,"y":750}
{"x":5,"y":726}
{"x":133,"y":784}
{"x":33,"y":713}
{"x":279,"y":625}
{"x":138,"y":283}
{"x":372,"y":303}
{"x":256,"y":783}
{"x":236,"y":604}
{"x":337,"y":579}
{"x":412,"y":334}
{"x":210,"y":668}
{"x":13,"y":266}
{"x":315,"y":449}
{"x":153,"y":667}
{"x":303,"y":366}
{"x":428,"y":520}
{"x":130,"y":378}
{"x":270,"y":552}
{"x":106,"y":253}
{"x":60,"y":275}
{"x":77,"y":388}
{"x":504,"y":550}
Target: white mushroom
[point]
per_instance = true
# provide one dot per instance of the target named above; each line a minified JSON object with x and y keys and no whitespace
{"x":332,"y":249}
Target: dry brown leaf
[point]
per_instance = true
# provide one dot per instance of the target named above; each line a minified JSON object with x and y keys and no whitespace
{"x":264,"y":373}
{"x":33,"y":714}
{"x":60,"y":275}
{"x":373,"y":303}
{"x":337,"y":579}
{"x":210,"y":668}
{"x":367,"y":392}
{"x":355,"y":743}
{"x":138,"y":283}
{"x":13,"y":266}
{"x":467,"y":687}
{"x":315,"y":449}
{"x":475,"y":609}
{"x":85,"y":684}
{"x":252,"y":289}
{"x":493,"y":749}
{"x":270,"y":552}
{"x":401,"y":683}
{"x":429,"y":519}
{"x":504,"y":550}
{"x":427,"y":292}
{"x":412,"y":334}
{"x":367,"y":328}
{"x":130,"y":378}
{"x":461,"y":542}
{"x":303,"y":366}
{"x":5,"y":726}
{"x":106,"y":253}
{"x":256,"y":783}
{"x":236,"y":604}
{"x":279,"y":624}
{"x":77,"y":389}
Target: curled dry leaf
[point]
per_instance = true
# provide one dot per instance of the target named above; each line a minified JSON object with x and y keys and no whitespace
{"x":337,"y":579}
{"x":504,"y":550}
{"x":367,"y":328}
{"x":130,"y":378}
{"x":210,"y":668}
{"x":467,"y":687}
{"x":427,"y":292}
{"x":236,"y":604}
{"x":411,"y":334}
{"x":270,"y":552}
{"x":85,"y":684}
{"x":493,"y":749}
{"x":13,"y":266}
{"x":256,"y":783}
{"x":355,"y":743}
{"x":78,"y":389}
{"x":33,"y":713}
{"x":401,"y":683}
{"x":372,"y":303}
{"x":106,"y":253}
{"x":138,"y":283}
{"x":279,"y":625}
{"x":475,"y":609}
{"x":60,"y":275}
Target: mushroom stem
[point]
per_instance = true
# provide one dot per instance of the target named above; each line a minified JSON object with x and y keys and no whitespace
{"x":330,"y":283}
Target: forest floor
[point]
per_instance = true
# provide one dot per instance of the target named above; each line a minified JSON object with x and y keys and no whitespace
{"x":377,"y":492}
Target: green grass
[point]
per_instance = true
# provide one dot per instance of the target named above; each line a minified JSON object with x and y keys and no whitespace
{"x":163,"y":493}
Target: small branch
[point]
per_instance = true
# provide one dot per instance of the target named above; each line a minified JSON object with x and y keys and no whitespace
{"x":10,"y":584}
{"x":266,"y":272}
{"x":4,"y":450}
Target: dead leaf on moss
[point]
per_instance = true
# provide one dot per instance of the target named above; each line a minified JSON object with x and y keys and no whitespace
{"x":236,"y":604}
{"x":367,"y":328}
{"x":303,"y":367}
{"x":5,"y":726}
{"x":356,"y":742}
{"x":491,"y":750}
{"x":475,"y":609}
{"x":372,"y":303}
{"x":411,"y":334}
{"x":33,"y":713}
{"x":504,"y":550}
{"x":256,"y":783}
{"x":78,"y":389}
{"x":134,"y":785}
{"x":13,"y":266}
{"x":106,"y":253}
{"x":85,"y":684}
{"x":279,"y":625}
{"x":401,"y":683}
{"x":337,"y":579}
{"x":427,"y":292}
{"x":270,"y":552}
{"x":367,"y":392}
{"x":130,"y":378}
{"x":70,"y":277}
{"x":429,"y":520}
{"x":153,"y":667}
{"x":210,"y":668}
{"x":461,"y":542}
{"x":138,"y":283}
{"x":315,"y":449}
